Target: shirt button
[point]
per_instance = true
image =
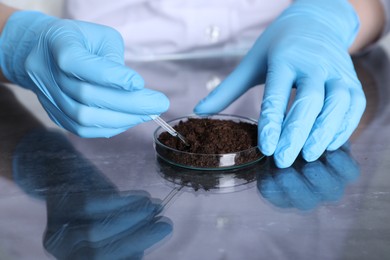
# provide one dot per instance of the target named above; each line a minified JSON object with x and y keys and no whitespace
{"x":213,"y":33}
{"x":212,"y":83}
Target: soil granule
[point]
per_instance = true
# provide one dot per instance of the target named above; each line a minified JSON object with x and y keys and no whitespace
{"x":212,"y":137}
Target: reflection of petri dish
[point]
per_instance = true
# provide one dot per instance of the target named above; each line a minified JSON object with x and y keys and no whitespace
{"x":224,"y":181}
{"x":198,"y":161}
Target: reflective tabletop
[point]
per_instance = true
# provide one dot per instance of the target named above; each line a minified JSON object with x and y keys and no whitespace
{"x":64,"y":197}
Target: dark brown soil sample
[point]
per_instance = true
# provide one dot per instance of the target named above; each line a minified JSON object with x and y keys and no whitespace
{"x":212,"y":137}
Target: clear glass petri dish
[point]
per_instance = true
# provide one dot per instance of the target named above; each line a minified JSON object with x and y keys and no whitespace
{"x":198,"y":161}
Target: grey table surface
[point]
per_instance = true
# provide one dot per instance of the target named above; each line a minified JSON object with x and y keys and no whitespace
{"x":65,"y":197}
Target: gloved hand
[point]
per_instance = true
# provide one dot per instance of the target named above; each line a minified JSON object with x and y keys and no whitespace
{"x":77,"y":71}
{"x":307,"y":47}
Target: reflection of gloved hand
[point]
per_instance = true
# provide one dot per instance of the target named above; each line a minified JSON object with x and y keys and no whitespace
{"x":87,"y":217}
{"x":306,"y":185}
{"x":77,"y":71}
{"x":102,"y":225}
{"x":307,"y":46}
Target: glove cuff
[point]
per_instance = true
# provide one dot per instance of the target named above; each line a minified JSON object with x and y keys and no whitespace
{"x":19,"y":35}
{"x":339,"y":15}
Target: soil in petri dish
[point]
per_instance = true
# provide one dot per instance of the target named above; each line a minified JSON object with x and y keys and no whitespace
{"x":211,"y":136}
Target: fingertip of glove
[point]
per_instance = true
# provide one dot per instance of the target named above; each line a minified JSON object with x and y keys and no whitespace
{"x":265,"y":150}
{"x":201,"y":112}
{"x":282,"y":163}
{"x":199,"y":108}
{"x":161,"y":102}
{"x":283,"y":159}
{"x":165,"y":101}
{"x":267,"y":141}
{"x":334,"y":145}
{"x":309,"y":155}
{"x":204,"y":108}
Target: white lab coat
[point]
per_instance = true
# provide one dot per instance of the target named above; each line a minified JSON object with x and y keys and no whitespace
{"x":169,"y":29}
{"x":174,"y":28}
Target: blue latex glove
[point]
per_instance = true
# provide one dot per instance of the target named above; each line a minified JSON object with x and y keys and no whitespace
{"x":77,"y":71}
{"x":307,"y":47}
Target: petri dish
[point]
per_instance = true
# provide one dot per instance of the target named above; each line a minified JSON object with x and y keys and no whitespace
{"x":207,"y":161}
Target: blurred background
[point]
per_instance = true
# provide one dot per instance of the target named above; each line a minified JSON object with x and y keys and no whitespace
{"x":52,"y":7}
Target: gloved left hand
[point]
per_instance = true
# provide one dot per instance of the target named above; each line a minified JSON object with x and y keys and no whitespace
{"x":77,"y":71}
{"x":307,"y":47}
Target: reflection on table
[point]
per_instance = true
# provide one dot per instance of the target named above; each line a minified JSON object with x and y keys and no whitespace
{"x":87,"y":217}
{"x":94,"y":198}
{"x":304,"y":185}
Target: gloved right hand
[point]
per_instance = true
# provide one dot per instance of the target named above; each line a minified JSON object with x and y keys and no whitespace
{"x":77,"y":71}
{"x":305,"y":47}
